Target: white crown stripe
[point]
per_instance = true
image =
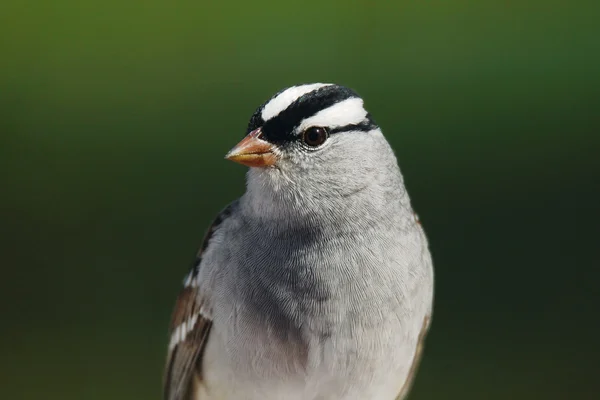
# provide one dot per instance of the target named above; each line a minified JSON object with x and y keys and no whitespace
{"x":283,"y":100}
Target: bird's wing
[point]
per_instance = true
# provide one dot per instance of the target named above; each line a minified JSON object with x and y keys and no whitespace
{"x":190,"y":327}
{"x":416,"y":360}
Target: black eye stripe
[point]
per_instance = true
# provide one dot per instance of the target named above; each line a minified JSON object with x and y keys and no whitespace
{"x":365,"y":126}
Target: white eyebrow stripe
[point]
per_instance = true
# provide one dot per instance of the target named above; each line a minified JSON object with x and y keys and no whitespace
{"x":283,"y":100}
{"x":346,"y":112}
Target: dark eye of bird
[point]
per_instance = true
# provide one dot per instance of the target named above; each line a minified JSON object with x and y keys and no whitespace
{"x":315,"y":136}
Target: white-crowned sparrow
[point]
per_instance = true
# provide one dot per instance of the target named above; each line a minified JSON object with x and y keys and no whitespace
{"x":317,"y":284}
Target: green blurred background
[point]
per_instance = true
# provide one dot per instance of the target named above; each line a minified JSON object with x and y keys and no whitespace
{"x":115,"y":117}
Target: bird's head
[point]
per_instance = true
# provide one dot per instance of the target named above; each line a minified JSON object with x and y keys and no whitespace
{"x":315,"y":141}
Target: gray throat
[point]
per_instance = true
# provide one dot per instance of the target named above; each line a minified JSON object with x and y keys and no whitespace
{"x":334,"y":258}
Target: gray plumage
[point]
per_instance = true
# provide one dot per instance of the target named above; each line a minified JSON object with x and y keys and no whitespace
{"x":317,"y":283}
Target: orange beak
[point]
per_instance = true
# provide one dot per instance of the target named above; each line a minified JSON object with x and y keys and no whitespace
{"x":253,"y":151}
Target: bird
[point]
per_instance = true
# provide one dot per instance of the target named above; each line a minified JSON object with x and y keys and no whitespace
{"x":318,"y":282}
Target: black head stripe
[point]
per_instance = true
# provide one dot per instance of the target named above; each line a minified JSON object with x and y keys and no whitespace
{"x":280,"y":128}
{"x":256,"y":121}
{"x":366,"y":125}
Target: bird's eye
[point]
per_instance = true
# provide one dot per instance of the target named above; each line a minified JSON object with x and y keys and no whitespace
{"x":315,"y":136}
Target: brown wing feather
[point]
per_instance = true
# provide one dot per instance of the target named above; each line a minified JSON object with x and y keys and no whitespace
{"x":416,"y":360}
{"x":185,"y":353}
{"x":189,"y":329}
